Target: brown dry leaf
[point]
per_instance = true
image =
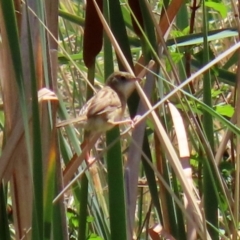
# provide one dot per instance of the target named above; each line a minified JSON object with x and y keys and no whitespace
{"x":184,"y":156}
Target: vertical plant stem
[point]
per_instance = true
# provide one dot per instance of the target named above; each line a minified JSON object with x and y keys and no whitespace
{"x":83,"y":208}
{"x":117,"y":208}
{"x":210,"y":197}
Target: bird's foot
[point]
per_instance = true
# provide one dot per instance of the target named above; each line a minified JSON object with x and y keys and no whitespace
{"x":135,"y":120}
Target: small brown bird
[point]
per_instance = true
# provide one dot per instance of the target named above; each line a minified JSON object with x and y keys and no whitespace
{"x":106,"y":109}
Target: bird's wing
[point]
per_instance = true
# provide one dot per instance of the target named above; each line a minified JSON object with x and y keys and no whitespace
{"x":78,"y":119}
{"x":106,"y":100}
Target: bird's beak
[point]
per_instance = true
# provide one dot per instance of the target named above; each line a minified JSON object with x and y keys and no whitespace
{"x":136,"y":79}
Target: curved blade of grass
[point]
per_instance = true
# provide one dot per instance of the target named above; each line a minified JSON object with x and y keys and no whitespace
{"x":197,"y":38}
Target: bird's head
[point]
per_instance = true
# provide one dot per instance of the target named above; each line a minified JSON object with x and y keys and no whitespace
{"x":122,"y":82}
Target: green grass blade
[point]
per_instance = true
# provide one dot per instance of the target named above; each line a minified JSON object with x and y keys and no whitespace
{"x":117,"y":206}
{"x":210,"y":195}
{"x":4,"y":226}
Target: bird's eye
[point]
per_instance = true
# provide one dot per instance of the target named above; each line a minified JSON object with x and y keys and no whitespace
{"x":123,"y":78}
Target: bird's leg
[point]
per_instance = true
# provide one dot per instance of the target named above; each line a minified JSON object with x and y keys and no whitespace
{"x":131,"y":121}
{"x":88,"y":144}
{"x":136,"y":119}
{"x":85,"y":144}
{"x":120,"y":122}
